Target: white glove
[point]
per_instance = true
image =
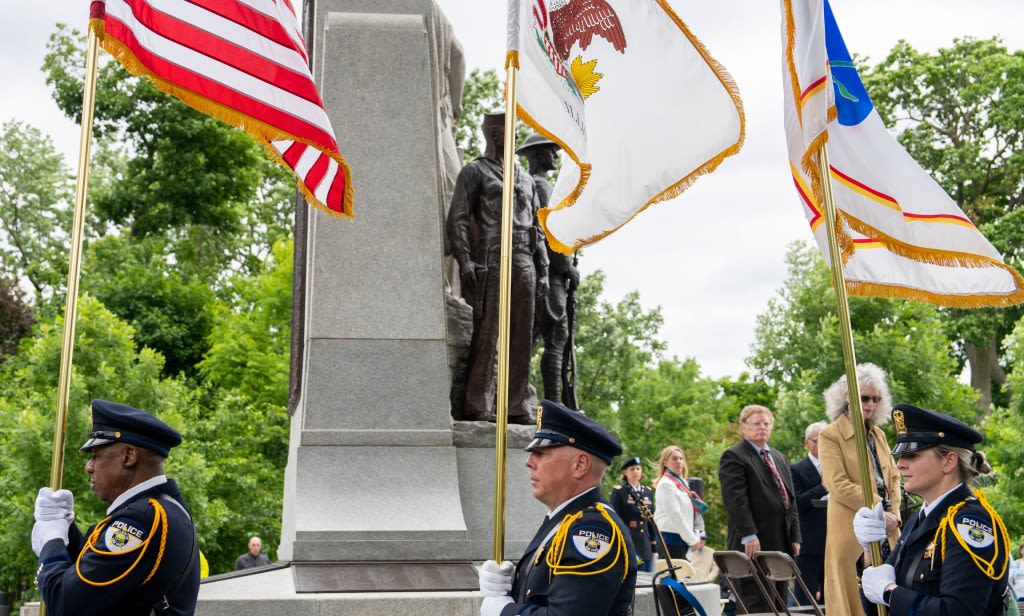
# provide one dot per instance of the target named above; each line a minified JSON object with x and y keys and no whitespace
{"x":492,"y":606}
{"x":47,"y":531}
{"x":50,"y":505}
{"x":495,"y":579}
{"x":875,"y":579}
{"x":869,"y":526}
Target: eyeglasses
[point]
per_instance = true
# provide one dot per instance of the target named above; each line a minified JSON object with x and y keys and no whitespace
{"x":865,"y":399}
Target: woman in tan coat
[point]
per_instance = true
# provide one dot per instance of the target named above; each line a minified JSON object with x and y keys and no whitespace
{"x":840,"y":468}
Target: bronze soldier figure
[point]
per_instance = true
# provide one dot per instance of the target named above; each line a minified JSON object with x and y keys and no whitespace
{"x":474,"y":231}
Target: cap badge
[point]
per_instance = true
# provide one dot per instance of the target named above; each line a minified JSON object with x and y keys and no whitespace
{"x":540,"y":413}
{"x":897,"y":418}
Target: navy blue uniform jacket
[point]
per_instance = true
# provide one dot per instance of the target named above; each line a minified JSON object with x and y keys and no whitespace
{"x":582,"y":589}
{"x":112,"y":571}
{"x":641,"y":530}
{"x":930,"y":585}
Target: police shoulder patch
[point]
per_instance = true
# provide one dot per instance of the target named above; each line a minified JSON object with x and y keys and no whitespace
{"x":976,"y":532}
{"x":123,"y":535}
{"x":592,"y":542}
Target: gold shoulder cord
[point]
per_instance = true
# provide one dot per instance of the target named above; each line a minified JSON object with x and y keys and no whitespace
{"x":559,"y":541}
{"x":988,"y":567}
{"x":159,"y":521}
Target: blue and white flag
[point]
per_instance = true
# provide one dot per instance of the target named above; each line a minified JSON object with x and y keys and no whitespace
{"x":901,"y":235}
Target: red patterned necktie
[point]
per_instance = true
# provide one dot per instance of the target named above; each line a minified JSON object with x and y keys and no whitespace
{"x":783,"y":494}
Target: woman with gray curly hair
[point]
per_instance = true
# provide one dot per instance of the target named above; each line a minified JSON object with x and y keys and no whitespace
{"x":841,"y":474}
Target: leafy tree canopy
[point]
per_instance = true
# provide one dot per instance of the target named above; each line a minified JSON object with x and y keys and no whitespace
{"x":797,"y":344}
{"x":35,"y":193}
{"x":958,"y":113}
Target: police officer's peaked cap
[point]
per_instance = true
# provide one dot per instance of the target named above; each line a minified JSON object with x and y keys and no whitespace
{"x":534,"y":141}
{"x":918,"y":429}
{"x":117,"y":423}
{"x":559,"y":425}
{"x":630,"y":461}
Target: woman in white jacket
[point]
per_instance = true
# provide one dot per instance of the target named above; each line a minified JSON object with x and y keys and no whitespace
{"x":676,"y":506}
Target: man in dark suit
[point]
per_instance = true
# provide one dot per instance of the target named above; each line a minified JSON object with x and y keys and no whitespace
{"x":813,"y":514}
{"x":758,"y":494}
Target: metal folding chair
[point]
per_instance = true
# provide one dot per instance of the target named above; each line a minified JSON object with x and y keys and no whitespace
{"x":734,"y":565}
{"x":780,"y":567}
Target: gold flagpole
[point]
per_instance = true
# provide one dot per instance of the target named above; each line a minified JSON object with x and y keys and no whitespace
{"x":849,"y":356}
{"x":75,"y":264}
{"x":60,"y":424}
{"x":504,"y":309}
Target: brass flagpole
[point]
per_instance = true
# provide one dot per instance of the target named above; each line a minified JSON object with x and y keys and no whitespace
{"x":504,"y":309}
{"x":60,"y":425}
{"x":846,"y":337}
{"x":75,"y":264}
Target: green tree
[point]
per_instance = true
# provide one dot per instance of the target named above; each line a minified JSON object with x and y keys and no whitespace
{"x":246,"y":376}
{"x":35,"y":190}
{"x":797,"y":347}
{"x":615,"y":342}
{"x":15,"y":319}
{"x":959,"y":113}
{"x":1004,"y":440}
{"x":249,"y":342}
{"x":139,"y":281}
{"x":183,"y":167}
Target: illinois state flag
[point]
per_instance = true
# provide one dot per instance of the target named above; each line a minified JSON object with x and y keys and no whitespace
{"x":900,"y":234}
{"x":639,"y":106}
{"x":243,"y":62}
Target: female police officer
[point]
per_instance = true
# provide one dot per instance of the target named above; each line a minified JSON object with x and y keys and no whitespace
{"x":952,"y":557}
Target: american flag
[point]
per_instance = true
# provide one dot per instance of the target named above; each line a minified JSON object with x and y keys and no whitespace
{"x":244,"y":62}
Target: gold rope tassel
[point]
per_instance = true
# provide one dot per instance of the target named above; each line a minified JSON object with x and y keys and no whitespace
{"x":559,"y":541}
{"x":988,"y":567}
{"x":159,"y":522}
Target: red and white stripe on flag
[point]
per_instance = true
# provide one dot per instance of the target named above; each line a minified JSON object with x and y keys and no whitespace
{"x":244,"y":62}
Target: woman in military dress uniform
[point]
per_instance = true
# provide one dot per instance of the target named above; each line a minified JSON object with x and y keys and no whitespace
{"x":626,"y":500}
{"x":952,"y":557}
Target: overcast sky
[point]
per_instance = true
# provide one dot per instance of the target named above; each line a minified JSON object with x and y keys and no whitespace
{"x":712,"y":258}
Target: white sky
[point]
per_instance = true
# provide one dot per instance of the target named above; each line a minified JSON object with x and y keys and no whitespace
{"x":713,"y":257}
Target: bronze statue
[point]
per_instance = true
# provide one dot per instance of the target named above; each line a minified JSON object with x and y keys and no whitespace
{"x":551,"y":319}
{"x":474,"y":232}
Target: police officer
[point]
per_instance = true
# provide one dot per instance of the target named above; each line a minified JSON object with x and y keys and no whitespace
{"x":581,"y":562}
{"x":952,"y":557}
{"x":143,"y":557}
{"x":627,"y":500}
